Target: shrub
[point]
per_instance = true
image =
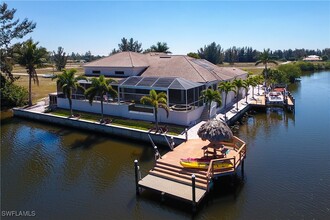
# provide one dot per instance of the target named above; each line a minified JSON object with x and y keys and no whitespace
{"x":292,"y":71}
{"x":12,"y":95}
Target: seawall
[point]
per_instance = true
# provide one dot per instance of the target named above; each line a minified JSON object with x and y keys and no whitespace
{"x":114,"y":130}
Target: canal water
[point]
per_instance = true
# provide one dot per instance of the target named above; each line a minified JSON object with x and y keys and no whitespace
{"x":62,"y":173}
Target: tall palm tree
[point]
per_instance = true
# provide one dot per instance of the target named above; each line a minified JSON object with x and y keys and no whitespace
{"x":100,"y":87}
{"x":238,"y":84}
{"x":264,"y":58}
{"x":210,"y":95}
{"x":30,"y":56}
{"x":226,"y":87}
{"x":156,"y":100}
{"x":68,"y":82}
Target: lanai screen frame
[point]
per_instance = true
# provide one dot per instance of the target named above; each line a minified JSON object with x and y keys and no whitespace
{"x":189,"y":97}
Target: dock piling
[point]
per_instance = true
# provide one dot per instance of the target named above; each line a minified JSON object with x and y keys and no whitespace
{"x":136,"y":166}
{"x":193,"y":185}
{"x":163,"y":196}
{"x":242,"y":168}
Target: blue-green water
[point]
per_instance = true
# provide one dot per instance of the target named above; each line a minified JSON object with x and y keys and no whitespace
{"x":62,"y":173}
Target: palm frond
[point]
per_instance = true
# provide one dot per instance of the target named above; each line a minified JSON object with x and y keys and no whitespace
{"x":165,"y":107}
{"x":258,"y":62}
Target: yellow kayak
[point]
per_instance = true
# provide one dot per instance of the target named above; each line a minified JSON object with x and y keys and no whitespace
{"x":204,"y":165}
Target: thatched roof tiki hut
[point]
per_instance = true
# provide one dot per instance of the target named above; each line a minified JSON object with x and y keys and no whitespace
{"x":215,"y":132}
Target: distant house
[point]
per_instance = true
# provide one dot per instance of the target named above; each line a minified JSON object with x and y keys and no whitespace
{"x":312,"y":58}
{"x":181,"y":77}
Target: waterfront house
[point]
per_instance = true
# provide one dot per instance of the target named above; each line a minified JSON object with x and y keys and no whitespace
{"x":312,"y":58}
{"x":181,"y":77}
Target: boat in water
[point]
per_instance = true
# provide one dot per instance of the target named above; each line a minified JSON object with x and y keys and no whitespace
{"x":203,"y":163}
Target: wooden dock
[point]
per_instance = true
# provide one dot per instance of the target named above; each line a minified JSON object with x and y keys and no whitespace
{"x":168,"y":177}
{"x":260,"y":101}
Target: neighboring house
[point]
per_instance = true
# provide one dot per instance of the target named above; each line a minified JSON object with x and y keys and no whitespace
{"x":312,"y":58}
{"x":181,"y":77}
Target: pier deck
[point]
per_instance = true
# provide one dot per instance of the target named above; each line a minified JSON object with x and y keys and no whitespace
{"x":169,"y":177}
{"x":172,"y":188}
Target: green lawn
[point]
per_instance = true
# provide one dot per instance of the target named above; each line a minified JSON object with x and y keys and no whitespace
{"x":136,"y":124}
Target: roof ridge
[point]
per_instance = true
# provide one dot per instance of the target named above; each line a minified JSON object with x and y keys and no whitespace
{"x":216,"y":75}
{"x":195,"y":68}
{"x":213,"y":72}
{"x":130,"y":57}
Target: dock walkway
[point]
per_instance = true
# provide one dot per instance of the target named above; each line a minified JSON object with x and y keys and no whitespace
{"x":256,"y":100}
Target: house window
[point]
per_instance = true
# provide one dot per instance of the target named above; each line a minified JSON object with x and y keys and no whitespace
{"x":119,"y":72}
{"x":96,"y":72}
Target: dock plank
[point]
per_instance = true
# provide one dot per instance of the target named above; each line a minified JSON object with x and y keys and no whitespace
{"x":172,"y":188}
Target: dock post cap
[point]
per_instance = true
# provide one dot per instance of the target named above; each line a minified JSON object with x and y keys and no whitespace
{"x":135,"y":161}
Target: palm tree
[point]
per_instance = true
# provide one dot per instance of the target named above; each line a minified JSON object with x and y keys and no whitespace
{"x":226,"y":87}
{"x":264,"y":58}
{"x":252,"y":82}
{"x":246,"y":86}
{"x":210,"y":95}
{"x":30,"y":56}
{"x":238,"y":84}
{"x":259,"y":79}
{"x":68,"y":82}
{"x":156,"y":100}
{"x":160,"y":47}
{"x":100,"y":87}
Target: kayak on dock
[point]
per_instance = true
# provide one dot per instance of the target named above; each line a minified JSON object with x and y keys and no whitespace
{"x":203,"y":163}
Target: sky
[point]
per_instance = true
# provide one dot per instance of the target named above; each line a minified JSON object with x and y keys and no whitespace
{"x":186,"y":26}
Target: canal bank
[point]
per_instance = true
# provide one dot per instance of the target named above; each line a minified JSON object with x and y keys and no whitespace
{"x":118,"y":131}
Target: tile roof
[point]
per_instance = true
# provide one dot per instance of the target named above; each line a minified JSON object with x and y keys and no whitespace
{"x":196,"y":70}
{"x":123,"y":59}
{"x":163,"y":65}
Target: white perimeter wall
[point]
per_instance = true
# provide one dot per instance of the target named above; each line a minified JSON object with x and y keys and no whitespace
{"x":110,"y":71}
{"x":121,"y":110}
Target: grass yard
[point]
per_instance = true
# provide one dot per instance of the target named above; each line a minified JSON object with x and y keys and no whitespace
{"x":249,"y":67}
{"x":136,"y":124}
{"x":46,"y":85}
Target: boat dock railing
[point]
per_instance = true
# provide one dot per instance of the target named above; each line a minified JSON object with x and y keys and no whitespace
{"x":240,"y":147}
{"x":170,"y":144}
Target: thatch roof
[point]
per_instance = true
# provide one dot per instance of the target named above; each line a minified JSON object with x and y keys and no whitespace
{"x":215,"y":131}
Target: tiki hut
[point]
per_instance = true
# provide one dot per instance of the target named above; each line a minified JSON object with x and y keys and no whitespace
{"x":215,"y":131}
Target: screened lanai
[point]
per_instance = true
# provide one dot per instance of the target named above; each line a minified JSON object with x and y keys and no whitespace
{"x":182,"y":94}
